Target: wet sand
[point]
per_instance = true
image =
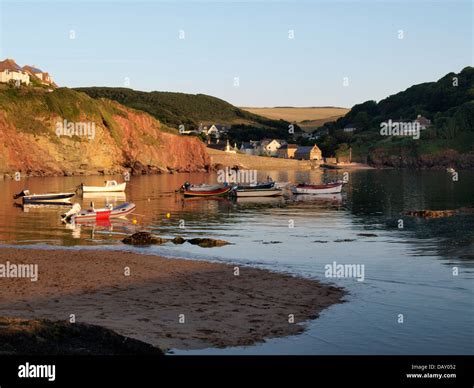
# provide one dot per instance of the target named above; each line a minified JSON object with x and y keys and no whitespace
{"x":169,"y":303}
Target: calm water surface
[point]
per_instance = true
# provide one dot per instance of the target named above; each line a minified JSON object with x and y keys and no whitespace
{"x":408,"y":271}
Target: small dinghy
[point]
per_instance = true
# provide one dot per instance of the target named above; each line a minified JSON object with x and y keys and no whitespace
{"x":77,"y":215}
{"x":257,"y":186}
{"x":327,"y":188}
{"x":110,"y":187}
{"x":208,"y":193}
{"x":44,"y":199}
{"x":199,"y":188}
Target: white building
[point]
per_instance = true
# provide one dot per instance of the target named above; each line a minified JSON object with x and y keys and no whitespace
{"x":270,"y":147}
{"x":9,"y":70}
{"x":44,"y":77}
{"x":248,"y":148}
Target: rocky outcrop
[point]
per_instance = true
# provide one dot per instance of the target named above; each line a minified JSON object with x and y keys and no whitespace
{"x":122,"y":139}
{"x":145,"y":238}
{"x":207,"y":242}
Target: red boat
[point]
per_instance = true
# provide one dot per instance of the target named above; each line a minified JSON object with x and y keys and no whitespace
{"x":103,"y":214}
{"x":328,"y":188}
{"x":208,"y":193}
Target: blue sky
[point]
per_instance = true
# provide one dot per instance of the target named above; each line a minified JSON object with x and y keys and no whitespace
{"x":116,"y":40}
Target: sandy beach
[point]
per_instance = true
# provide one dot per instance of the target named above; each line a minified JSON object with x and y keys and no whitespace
{"x":168,"y":303}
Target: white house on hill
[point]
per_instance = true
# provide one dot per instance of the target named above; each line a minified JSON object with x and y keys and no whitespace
{"x":11,"y":71}
{"x":44,"y":77}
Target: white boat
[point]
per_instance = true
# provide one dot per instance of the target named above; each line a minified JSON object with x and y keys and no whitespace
{"x":239,"y":193}
{"x":327,"y":188}
{"x":202,"y":187}
{"x":44,"y":199}
{"x":93,"y":214}
{"x":110,"y":187}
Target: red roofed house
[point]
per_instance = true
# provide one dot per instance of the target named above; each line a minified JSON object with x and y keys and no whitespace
{"x":44,"y":77}
{"x":9,"y":70}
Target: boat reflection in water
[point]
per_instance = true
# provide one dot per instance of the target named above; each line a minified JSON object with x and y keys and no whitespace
{"x":42,"y":208}
{"x":107,"y":197}
{"x":328,"y":198}
{"x":109,"y":226}
{"x":259,"y":200}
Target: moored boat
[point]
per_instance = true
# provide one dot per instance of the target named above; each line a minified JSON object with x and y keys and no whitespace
{"x":207,"y":193}
{"x":44,"y":199}
{"x":326,"y":188}
{"x":92,"y":214}
{"x":110,"y":187}
{"x":199,"y":188}
{"x":257,"y":186}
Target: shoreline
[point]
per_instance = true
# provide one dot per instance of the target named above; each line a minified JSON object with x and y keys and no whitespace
{"x":167,"y":303}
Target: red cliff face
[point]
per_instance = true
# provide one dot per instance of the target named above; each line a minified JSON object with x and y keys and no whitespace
{"x":124,"y":140}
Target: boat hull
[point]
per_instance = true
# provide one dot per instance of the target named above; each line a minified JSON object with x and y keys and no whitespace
{"x":258,"y":186}
{"x":209,"y":193}
{"x":104,"y":214}
{"x":332,"y":188}
{"x":204,"y":188}
{"x":47,"y":199}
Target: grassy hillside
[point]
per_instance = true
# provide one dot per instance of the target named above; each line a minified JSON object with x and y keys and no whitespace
{"x":448,"y":103}
{"x":174,"y":109}
{"x":123,"y":138}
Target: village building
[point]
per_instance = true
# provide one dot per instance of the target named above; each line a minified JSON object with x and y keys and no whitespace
{"x":215,"y":130}
{"x":270,"y":147}
{"x":248,"y":148}
{"x":308,"y":153}
{"x":226,"y":147}
{"x":11,"y":71}
{"x":287,"y":151}
{"x":423,"y":122}
{"x":44,"y":77}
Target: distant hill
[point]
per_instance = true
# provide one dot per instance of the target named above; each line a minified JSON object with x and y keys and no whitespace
{"x":308,"y":118}
{"x":448,"y":103}
{"x":174,"y":109}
